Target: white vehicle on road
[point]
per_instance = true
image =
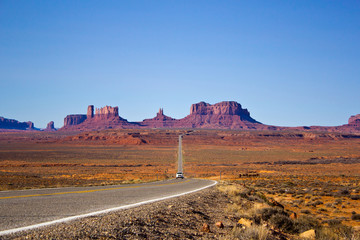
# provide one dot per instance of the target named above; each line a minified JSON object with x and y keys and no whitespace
{"x":179,"y":175}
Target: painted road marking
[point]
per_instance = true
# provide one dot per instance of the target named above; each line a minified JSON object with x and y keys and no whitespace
{"x":15,"y":230}
{"x":88,"y":191}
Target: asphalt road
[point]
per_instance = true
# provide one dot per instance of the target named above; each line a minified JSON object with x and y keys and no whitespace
{"x":26,"y":209}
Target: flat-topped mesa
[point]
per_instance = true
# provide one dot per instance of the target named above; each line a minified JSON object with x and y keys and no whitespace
{"x":223,"y":108}
{"x":6,"y":123}
{"x":107,"y":112}
{"x":74,"y":119}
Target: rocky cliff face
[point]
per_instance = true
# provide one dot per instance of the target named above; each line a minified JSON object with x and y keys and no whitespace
{"x":107,"y":112}
{"x":50,"y":126}
{"x":74,"y":119}
{"x":224,"y":115}
{"x":104,"y":118}
{"x":223,"y":108}
{"x":90,"y":112}
{"x":355,"y":120}
{"x":14,"y":124}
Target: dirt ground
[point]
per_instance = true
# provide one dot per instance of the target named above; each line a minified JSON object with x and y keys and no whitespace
{"x":317,"y":173}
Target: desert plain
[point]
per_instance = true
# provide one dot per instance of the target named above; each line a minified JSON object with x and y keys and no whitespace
{"x":309,"y":173}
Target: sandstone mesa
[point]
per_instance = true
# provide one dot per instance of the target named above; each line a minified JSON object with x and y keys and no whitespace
{"x":223,"y":115}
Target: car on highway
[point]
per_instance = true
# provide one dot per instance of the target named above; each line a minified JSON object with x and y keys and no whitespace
{"x":179,"y":175}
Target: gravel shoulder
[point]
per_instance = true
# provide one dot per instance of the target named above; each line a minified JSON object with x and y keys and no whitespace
{"x":179,"y":218}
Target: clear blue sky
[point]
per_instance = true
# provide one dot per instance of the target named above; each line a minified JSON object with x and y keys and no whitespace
{"x":290,"y":63}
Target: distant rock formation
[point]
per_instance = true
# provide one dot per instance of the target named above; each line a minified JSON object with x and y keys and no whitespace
{"x":355,"y":120}
{"x":228,"y":108}
{"x":50,"y":126}
{"x":104,"y":118}
{"x":6,"y":123}
{"x":353,"y":124}
{"x":74,"y":119}
{"x":107,"y":112}
{"x":100,"y":113}
{"x":223,"y":115}
{"x":90,"y":112}
{"x":160,"y":121}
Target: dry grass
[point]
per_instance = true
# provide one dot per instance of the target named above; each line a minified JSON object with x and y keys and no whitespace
{"x":268,"y":221}
{"x":315,"y":174}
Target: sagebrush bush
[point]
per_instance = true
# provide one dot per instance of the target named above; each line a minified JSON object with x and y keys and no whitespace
{"x":251,"y":233}
{"x":305,"y":211}
{"x":266,"y":213}
{"x":343,"y":192}
{"x":304,"y":223}
{"x":282,"y":222}
{"x":355,"y":197}
{"x":355,"y":216}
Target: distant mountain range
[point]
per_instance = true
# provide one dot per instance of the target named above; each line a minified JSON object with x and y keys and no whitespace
{"x":223,"y":115}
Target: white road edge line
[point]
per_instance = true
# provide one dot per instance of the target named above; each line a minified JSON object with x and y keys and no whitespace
{"x":62,"y":220}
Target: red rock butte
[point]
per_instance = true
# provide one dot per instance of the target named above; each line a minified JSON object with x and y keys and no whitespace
{"x":223,"y":115}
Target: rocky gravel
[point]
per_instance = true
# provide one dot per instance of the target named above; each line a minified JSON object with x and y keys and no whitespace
{"x":179,"y":218}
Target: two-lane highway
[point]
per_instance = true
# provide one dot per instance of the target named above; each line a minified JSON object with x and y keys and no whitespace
{"x":27,"y":209}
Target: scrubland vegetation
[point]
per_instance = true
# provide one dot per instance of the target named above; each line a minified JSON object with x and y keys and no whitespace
{"x":314,"y":175}
{"x":262,"y":217}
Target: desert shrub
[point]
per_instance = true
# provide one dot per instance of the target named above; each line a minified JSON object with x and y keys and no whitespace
{"x":304,"y":223}
{"x":355,"y":197}
{"x":328,"y":205}
{"x":282,"y":222}
{"x":305,"y":211}
{"x":326,"y":234}
{"x":333,"y":222}
{"x":292,"y":192}
{"x":345,"y":232}
{"x":337,"y":201}
{"x":235,"y":191}
{"x":343,"y":192}
{"x":253,"y":232}
{"x":317,"y":202}
{"x":266,"y":213}
{"x":281,"y":190}
{"x":255,"y":198}
{"x":262,"y":196}
{"x":314,"y":203}
{"x":336,"y":231}
{"x":355,"y":216}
